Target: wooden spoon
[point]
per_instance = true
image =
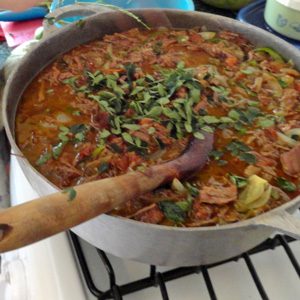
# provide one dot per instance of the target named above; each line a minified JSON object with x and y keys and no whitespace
{"x":33,"y":221}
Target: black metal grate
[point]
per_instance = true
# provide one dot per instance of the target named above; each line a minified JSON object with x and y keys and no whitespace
{"x":159,"y":279}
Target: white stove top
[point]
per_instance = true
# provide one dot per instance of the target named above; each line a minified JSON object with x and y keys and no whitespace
{"x":47,"y":270}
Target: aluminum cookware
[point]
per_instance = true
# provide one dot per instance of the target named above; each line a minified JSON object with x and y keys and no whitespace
{"x":154,"y":244}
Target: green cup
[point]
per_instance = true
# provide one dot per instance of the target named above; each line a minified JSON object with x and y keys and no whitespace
{"x":284,"y":17}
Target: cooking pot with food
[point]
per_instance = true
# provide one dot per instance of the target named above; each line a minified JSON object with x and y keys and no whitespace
{"x":258,"y":205}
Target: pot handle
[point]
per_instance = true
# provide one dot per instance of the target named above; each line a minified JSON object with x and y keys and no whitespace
{"x":75,"y":10}
{"x":281,"y":221}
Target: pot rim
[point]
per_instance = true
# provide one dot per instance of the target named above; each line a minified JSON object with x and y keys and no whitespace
{"x":291,"y":205}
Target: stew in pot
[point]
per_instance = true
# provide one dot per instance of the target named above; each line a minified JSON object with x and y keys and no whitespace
{"x":136,"y":98}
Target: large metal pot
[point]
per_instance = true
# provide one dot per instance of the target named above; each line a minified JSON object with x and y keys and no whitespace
{"x":154,"y":244}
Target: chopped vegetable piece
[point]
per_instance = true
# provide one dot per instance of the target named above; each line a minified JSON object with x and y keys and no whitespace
{"x":256,"y":193}
{"x":239,"y":181}
{"x":43,"y":158}
{"x":286,"y":185}
{"x":274,"y":54}
{"x":172,"y":211}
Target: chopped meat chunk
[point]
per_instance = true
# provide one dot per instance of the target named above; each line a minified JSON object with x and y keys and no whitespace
{"x":218,"y":194}
{"x":150,"y":214}
{"x":291,"y":161}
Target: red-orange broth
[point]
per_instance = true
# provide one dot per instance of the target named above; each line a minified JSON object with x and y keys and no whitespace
{"x":136,"y":98}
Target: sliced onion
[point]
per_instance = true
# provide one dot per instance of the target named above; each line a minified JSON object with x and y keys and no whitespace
{"x":63,"y":118}
{"x":207,"y":35}
{"x":47,"y":125}
{"x":272,"y":84}
{"x":286,"y":139}
{"x":177,"y":186}
{"x":293,"y":132}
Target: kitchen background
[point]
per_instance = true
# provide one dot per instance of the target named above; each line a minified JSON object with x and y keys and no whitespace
{"x":67,"y":268}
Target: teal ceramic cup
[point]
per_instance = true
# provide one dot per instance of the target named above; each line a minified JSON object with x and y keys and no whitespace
{"x":284,"y":17}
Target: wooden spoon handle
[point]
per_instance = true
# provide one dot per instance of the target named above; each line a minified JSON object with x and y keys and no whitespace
{"x":38,"y":219}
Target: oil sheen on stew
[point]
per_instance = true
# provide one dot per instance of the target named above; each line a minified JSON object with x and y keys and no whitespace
{"x":135,"y":99}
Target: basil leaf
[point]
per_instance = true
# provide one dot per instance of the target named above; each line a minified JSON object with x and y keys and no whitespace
{"x":286,"y":185}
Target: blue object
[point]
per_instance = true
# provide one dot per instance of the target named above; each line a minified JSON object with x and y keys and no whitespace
{"x":29,"y":14}
{"x":129,"y":4}
{"x":254,"y":14}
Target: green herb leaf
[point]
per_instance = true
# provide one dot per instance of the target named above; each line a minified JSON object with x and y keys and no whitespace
{"x":71,"y":193}
{"x":216,"y":154}
{"x":222,"y":162}
{"x":233,"y":114}
{"x":220,"y":90}
{"x":236,"y":146}
{"x":154,"y":112}
{"x":239,"y":181}
{"x":103,"y":167}
{"x":57,"y":150}
{"x":172,"y":211}
{"x":127,"y":137}
{"x":210,"y":119}
{"x":265,"y":122}
{"x":198,"y":135}
{"x":184,"y":205}
{"x":103,"y":134}
{"x":77,"y":128}
{"x":132,"y":127}
{"x":247,"y":157}
{"x":282,"y":83}
{"x":43,"y":158}
{"x":193,"y":190}
{"x":151,"y":130}
{"x":286,"y":185}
